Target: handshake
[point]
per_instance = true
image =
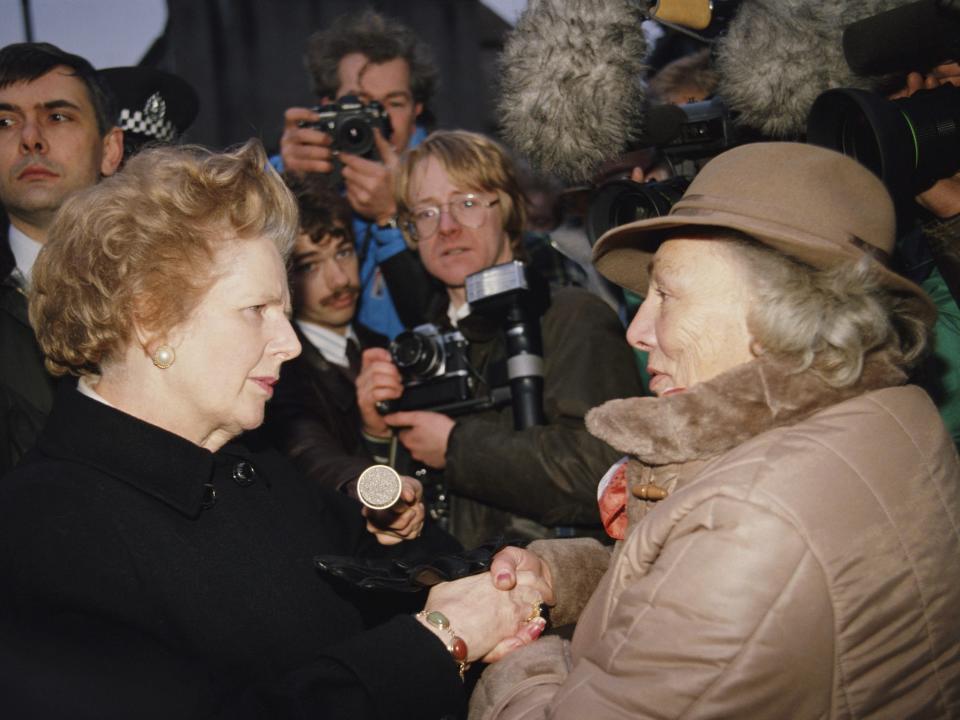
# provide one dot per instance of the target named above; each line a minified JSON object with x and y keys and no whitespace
{"x":496,"y":612}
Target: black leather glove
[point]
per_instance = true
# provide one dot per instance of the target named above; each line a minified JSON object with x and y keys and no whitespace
{"x":405,"y":576}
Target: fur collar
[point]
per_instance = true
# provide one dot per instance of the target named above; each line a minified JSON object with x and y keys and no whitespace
{"x":724,"y":412}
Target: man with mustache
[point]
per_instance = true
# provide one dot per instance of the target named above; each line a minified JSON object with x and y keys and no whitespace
{"x":57,"y":136}
{"x":313,"y":416}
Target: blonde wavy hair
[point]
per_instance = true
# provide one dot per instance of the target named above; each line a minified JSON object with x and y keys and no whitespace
{"x":473,"y":162}
{"x":139,"y":249}
{"x":826,"y":320}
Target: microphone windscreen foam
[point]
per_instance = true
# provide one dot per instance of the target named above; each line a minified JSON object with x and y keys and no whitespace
{"x":379,"y":487}
{"x":777,"y":56}
{"x":571,"y":95}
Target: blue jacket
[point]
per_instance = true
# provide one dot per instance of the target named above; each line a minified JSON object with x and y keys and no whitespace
{"x":375,"y":245}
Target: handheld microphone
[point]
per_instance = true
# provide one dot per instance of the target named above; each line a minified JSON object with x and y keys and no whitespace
{"x":379,"y":487}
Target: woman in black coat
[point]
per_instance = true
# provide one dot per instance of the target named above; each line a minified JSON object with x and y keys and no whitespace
{"x":151,"y":568}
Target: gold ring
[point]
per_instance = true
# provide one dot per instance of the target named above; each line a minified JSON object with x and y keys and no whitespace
{"x":535,"y":611}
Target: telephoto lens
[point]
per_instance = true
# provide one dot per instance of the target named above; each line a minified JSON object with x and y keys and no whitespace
{"x":909,"y":143}
{"x":619,"y":202}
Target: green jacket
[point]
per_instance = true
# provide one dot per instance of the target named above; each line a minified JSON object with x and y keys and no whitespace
{"x":526,"y":483}
{"x":941,"y":377}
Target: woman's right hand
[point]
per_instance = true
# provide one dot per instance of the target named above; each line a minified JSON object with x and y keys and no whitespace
{"x":378,"y":380}
{"x":511,"y":561}
{"x":491,"y":622}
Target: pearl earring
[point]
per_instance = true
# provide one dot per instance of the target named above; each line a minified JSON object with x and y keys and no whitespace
{"x":164,"y":357}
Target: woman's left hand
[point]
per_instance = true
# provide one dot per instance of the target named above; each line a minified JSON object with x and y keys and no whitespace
{"x":403,"y":521}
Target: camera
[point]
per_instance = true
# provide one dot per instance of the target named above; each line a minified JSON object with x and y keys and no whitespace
{"x":619,"y":202}
{"x":690,"y":134}
{"x":351,"y":123}
{"x":909,"y":143}
{"x":435,"y":364}
{"x":436,"y":372}
{"x":686,"y":137}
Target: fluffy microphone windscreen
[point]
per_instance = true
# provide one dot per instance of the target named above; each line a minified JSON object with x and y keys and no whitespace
{"x":777,"y":56}
{"x":571,"y":96}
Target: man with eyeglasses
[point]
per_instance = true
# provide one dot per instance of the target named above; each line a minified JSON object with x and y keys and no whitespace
{"x":463,"y":210}
{"x":373,"y":58}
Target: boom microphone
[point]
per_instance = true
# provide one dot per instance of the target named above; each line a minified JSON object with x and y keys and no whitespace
{"x":571,"y":96}
{"x":777,"y":56}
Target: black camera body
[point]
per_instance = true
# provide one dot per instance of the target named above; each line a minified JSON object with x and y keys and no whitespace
{"x":351,"y":124}
{"x":436,"y":368}
{"x":436,"y":372}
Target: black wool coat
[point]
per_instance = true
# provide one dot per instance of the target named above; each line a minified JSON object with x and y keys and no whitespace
{"x":143,"y":576}
{"x":26,"y":389}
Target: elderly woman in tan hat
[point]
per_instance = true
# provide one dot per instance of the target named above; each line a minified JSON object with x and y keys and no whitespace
{"x":788,"y":508}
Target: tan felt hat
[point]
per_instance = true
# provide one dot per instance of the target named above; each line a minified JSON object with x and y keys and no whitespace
{"x":813,"y":204}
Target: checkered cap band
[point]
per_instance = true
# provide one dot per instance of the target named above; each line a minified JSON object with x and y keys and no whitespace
{"x":151,"y":121}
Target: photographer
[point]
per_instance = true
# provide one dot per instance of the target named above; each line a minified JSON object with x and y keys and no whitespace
{"x":460,"y":192}
{"x":372,"y":58}
{"x":940,"y":225}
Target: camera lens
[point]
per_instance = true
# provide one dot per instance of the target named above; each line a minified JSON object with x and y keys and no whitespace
{"x":908,"y":143}
{"x":416,"y":355}
{"x":355,"y":136}
{"x":623,"y":201}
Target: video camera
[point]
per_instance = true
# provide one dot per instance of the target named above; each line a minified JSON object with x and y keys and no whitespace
{"x":686,"y":137}
{"x":351,"y":124}
{"x":435,"y":365}
{"x":911,"y":142}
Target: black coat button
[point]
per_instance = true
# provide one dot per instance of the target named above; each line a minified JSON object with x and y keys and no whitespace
{"x":244,"y":474}
{"x":209,"y":496}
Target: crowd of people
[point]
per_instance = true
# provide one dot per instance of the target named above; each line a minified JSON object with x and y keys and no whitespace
{"x":739,"y":499}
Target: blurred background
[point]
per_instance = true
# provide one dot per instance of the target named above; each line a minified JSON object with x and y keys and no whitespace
{"x":245,"y":57}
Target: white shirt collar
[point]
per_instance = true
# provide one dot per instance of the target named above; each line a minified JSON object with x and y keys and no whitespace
{"x":455,"y":315}
{"x":332,"y":345}
{"x":25,"y":250}
{"x":85,"y":386}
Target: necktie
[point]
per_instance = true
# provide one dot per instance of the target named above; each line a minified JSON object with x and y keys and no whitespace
{"x":353,"y":356}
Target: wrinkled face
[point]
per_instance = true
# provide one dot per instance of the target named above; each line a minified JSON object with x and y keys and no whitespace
{"x":326,"y":280}
{"x":455,"y":251}
{"x":228,"y":354}
{"x":50,"y":146}
{"x":693,"y":321}
{"x":389,"y":84}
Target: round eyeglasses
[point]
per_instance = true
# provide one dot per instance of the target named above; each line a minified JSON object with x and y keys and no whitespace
{"x":468,"y":209}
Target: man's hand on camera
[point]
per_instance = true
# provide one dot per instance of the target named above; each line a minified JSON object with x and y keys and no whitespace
{"x":378,"y":380}
{"x":369,"y":183}
{"x":304,"y":149}
{"x":424,"y":434}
